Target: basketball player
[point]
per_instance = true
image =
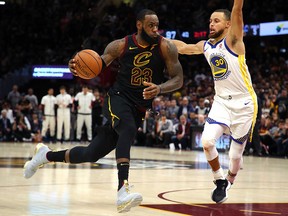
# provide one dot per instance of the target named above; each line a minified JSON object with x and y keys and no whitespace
{"x":83,"y":101}
{"x":64,"y":102}
{"x":234,"y":108}
{"x":143,"y":57}
{"x":48,"y":103}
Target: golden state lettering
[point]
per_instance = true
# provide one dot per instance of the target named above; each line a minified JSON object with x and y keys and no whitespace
{"x":142,"y":59}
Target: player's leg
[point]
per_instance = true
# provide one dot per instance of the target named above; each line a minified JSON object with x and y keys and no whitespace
{"x":122,"y":117}
{"x":101,"y":145}
{"x":60,"y":119}
{"x":67,"y":125}
{"x":80,"y":121}
{"x":44,"y":126}
{"x":236,"y":160}
{"x":88,"y":123}
{"x":52,"y":124}
{"x":209,"y":137}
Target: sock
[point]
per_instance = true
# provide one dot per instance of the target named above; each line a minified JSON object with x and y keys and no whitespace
{"x":58,"y":156}
{"x":230,"y":177}
{"x":123,"y":171}
{"x":219,"y":174}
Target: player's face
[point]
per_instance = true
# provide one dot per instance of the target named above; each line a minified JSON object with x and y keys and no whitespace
{"x":218,"y":25}
{"x":149,"y":30}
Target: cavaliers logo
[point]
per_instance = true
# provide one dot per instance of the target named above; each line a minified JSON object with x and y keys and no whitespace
{"x":142,"y":59}
{"x":219,"y":67}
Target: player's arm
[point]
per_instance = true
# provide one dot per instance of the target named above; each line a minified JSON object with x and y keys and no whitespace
{"x":189,"y":49}
{"x":174,"y":69}
{"x":111,"y":52}
{"x":235,"y":33}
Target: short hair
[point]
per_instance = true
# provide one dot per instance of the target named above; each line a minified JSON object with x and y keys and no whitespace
{"x":141,"y":15}
{"x":226,"y":12}
{"x":62,"y":87}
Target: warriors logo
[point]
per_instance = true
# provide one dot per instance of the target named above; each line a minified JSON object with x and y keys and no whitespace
{"x":219,"y":67}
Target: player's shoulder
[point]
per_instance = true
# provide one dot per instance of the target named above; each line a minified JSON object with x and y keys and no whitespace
{"x":167,"y":46}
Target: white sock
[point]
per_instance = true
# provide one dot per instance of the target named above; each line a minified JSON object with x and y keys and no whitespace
{"x":219,"y":174}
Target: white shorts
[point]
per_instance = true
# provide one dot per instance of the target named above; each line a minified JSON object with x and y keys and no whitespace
{"x":237,"y":113}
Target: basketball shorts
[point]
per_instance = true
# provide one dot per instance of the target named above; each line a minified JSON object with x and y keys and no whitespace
{"x":119,"y":110}
{"x":238,"y":113}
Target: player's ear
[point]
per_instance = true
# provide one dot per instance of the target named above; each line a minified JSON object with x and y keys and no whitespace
{"x":228,"y":24}
{"x":139,"y":24}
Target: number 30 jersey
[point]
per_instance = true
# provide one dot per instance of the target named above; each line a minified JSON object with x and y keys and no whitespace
{"x":139,"y":64}
{"x":229,"y":70}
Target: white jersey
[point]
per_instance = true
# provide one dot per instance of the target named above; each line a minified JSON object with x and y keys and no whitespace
{"x":49,"y":102}
{"x":229,"y":70}
{"x":63,"y":101}
{"x":84,"y":102}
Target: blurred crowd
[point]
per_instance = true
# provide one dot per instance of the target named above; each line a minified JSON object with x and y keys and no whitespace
{"x":50,"y":32}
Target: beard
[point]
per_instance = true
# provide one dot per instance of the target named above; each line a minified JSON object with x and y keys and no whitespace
{"x":216,"y":34}
{"x":148,"y":39}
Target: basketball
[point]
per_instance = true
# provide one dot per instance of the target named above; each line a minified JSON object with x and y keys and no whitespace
{"x":88,"y":64}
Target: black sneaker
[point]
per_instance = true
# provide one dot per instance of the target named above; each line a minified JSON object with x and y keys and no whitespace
{"x":219,"y":194}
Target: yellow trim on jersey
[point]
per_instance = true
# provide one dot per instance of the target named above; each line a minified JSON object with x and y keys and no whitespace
{"x":113,"y":116}
{"x":245,"y":76}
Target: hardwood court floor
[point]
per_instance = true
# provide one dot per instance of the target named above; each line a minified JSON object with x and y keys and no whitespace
{"x":172,"y":183}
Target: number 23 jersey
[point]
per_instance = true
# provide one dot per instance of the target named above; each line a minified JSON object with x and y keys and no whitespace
{"x":139,"y":64}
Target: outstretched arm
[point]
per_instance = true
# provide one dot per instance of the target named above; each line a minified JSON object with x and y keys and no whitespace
{"x":235,"y":32}
{"x":189,"y":49}
{"x":174,"y":69}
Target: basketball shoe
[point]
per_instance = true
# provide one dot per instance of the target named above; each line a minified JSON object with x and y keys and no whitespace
{"x":127,"y":200}
{"x":38,"y":160}
{"x":219,"y":194}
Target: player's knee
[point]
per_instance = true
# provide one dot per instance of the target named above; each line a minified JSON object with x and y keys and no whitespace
{"x":207,"y":143}
{"x":235,"y":152}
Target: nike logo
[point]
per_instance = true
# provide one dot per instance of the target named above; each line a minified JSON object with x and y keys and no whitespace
{"x":246,"y":103}
{"x":132,"y":48}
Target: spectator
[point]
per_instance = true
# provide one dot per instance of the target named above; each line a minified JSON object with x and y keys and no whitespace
{"x":164,"y":131}
{"x":97,"y":116}
{"x":185,"y":108}
{"x":64,"y":102}
{"x":5,"y":127}
{"x":282,"y":104}
{"x":202,"y":108}
{"x":173,"y":108}
{"x":32,"y":98}
{"x":268,"y":143}
{"x":9,"y":114}
{"x":146,"y":134}
{"x":21,"y":128}
{"x":48,"y":103}
{"x":84,"y":102}
{"x":182,"y":138}
{"x":36,"y":128}
{"x":14,"y":97}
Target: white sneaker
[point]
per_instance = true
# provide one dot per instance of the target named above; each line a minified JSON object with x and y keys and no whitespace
{"x":127,"y":200}
{"x":38,"y":160}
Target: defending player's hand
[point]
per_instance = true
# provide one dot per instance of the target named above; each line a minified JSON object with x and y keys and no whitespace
{"x":71,"y":66}
{"x":151,"y":91}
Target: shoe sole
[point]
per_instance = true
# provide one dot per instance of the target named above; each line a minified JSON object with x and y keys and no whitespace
{"x":127,"y":206}
{"x":225,"y":198}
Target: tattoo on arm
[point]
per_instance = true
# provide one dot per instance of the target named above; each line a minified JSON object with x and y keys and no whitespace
{"x":113,"y":50}
{"x":174,"y":69}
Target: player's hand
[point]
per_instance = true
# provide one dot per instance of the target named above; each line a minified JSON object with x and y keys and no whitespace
{"x":71,"y":66}
{"x":151,"y":91}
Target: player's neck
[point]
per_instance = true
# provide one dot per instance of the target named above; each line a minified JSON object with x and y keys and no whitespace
{"x":216,"y":40}
{"x":142,"y":43}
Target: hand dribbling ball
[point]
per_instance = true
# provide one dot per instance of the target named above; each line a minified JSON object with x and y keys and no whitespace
{"x":88,"y":64}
